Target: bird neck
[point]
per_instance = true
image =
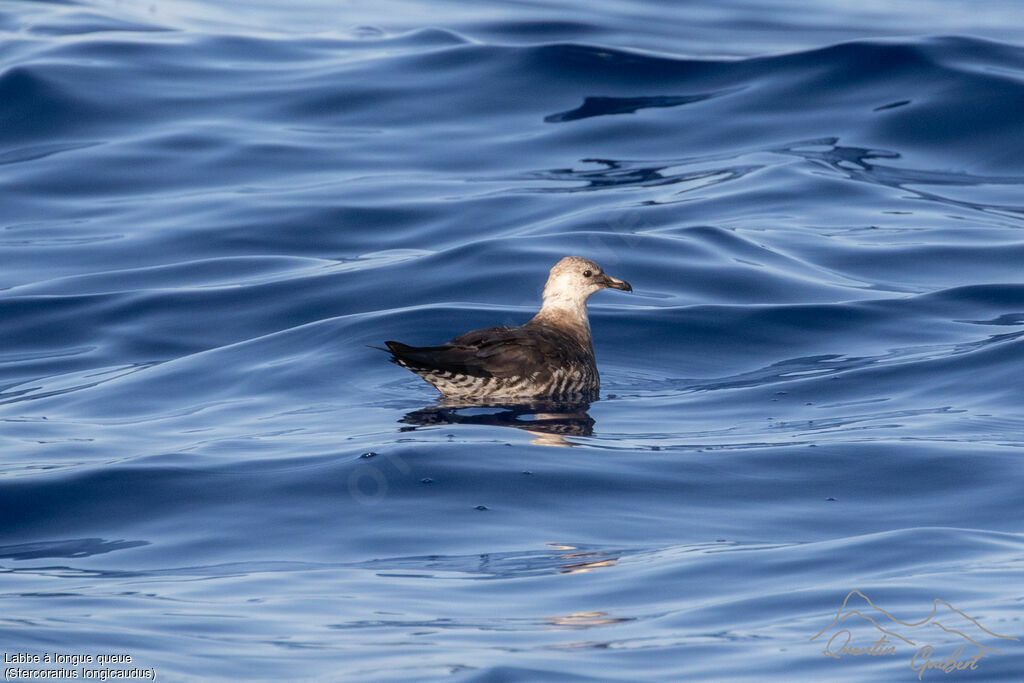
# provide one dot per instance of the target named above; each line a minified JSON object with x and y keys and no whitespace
{"x":568,"y":315}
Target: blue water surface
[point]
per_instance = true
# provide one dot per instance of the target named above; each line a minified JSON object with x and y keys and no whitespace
{"x":210,"y":210}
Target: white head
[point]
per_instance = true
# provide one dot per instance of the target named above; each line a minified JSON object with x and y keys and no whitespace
{"x":573,"y":280}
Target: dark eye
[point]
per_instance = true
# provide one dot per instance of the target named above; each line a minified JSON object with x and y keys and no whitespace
{"x":587,"y":273}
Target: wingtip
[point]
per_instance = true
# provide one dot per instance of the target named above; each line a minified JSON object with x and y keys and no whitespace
{"x":397,"y":347}
{"x":393,"y":347}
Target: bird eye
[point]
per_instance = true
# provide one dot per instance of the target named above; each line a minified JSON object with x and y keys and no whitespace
{"x":587,"y":273}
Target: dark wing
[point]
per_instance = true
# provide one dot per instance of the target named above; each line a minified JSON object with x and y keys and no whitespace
{"x":491,"y":352}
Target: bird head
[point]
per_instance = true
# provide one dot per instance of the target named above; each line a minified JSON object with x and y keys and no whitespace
{"x":574,"y":279}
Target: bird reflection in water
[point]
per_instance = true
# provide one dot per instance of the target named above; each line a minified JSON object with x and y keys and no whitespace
{"x":576,"y":561}
{"x":550,"y":422}
{"x":583,"y":561}
{"x":583,"y":620}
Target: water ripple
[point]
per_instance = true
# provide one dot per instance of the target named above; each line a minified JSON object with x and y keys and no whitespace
{"x":212,"y":210}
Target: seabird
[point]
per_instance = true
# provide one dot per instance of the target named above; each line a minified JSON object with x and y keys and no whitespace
{"x":551,"y":356}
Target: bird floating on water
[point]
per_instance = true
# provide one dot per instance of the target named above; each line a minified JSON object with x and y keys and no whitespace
{"x":551,"y":356}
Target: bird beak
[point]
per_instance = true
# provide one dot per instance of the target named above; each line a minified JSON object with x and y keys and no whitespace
{"x":609,"y":281}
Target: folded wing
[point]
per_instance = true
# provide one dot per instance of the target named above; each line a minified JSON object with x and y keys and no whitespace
{"x":500,"y":352}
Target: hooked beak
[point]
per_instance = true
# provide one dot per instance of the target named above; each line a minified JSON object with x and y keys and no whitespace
{"x":614,"y":283}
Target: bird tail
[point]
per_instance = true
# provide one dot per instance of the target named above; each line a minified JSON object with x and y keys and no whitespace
{"x":401,"y":354}
{"x":404,"y":354}
{"x":434,"y":359}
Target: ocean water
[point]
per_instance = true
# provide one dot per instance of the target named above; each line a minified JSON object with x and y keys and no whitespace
{"x":810,"y":428}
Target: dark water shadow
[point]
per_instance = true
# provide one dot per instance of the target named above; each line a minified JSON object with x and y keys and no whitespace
{"x":555,"y":558}
{"x":549,"y":421}
{"x":861,"y":164}
{"x":603,"y":106}
{"x":74,"y":547}
{"x":61,"y":384}
{"x":619,"y":173}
